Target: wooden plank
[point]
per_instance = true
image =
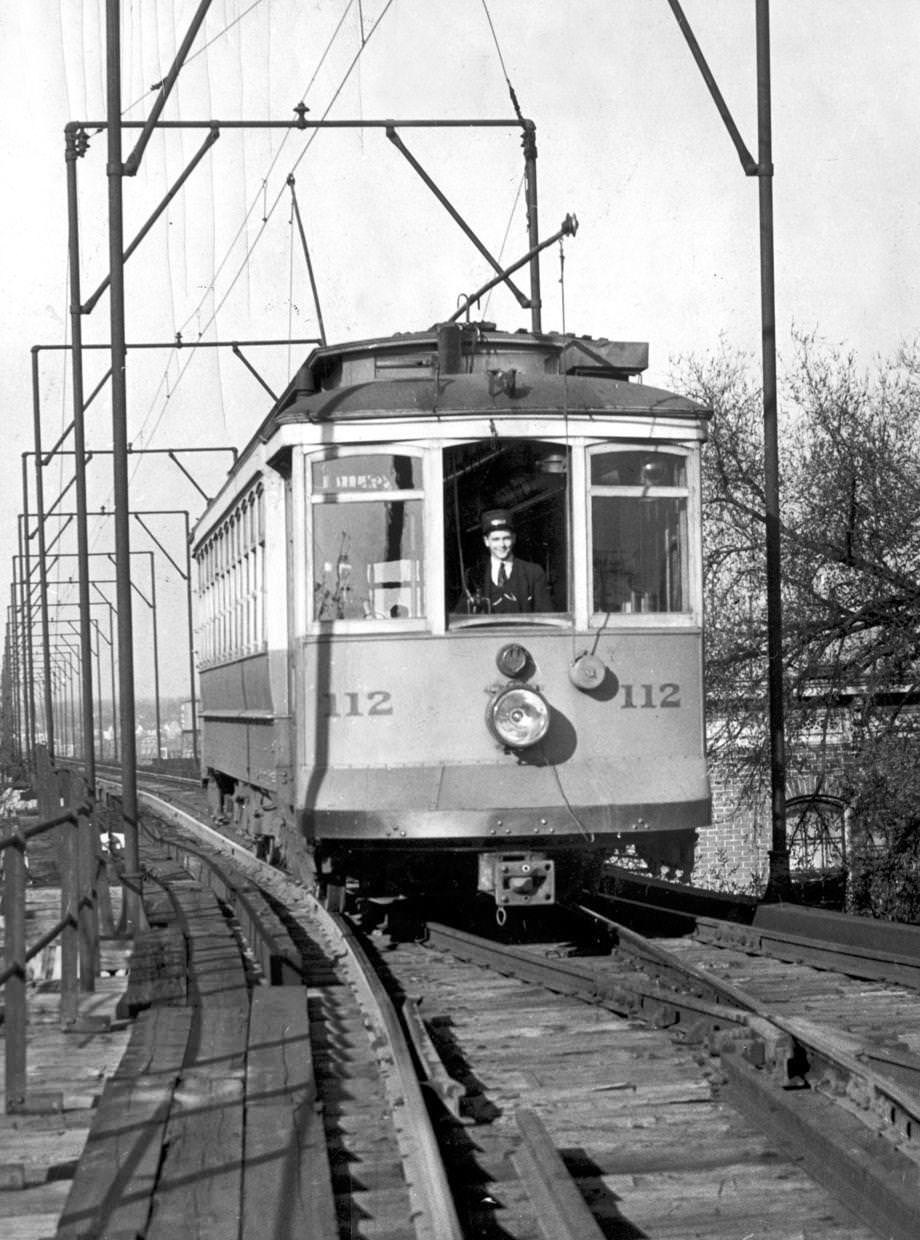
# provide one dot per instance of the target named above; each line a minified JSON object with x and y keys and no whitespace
{"x":215,"y":965}
{"x":278,"y":956}
{"x":273,"y":946}
{"x":286,"y":1183}
{"x":201,"y":1171}
{"x":862,"y":1171}
{"x":560,"y":1207}
{"x":114,"y":1182}
{"x":156,"y":972}
{"x":31,"y":1213}
{"x":179,"y":1089}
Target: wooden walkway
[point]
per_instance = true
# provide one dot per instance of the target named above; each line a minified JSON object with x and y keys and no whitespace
{"x":192,"y":1115}
{"x":68,"y":1072}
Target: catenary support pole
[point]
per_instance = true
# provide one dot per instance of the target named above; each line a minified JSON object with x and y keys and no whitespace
{"x":115,"y":171}
{"x":779,"y":851}
{"x":76,"y":362}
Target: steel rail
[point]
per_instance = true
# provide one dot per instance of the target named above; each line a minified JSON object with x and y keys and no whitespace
{"x":189,"y":782}
{"x":828,"y":1055}
{"x":560,"y":1208}
{"x":767,"y":1060}
{"x":859,"y":946}
{"x":436,"y":1217}
{"x":562,"y":1212}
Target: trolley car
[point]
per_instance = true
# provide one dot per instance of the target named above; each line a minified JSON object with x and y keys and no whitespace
{"x":368,"y":715}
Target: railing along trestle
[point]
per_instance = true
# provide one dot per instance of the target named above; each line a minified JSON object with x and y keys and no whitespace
{"x":66,"y":806}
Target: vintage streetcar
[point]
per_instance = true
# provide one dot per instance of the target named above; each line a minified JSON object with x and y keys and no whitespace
{"x":380,"y":711}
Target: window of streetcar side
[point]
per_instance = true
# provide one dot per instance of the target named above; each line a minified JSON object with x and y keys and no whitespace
{"x":367,"y":536}
{"x":639,"y":533}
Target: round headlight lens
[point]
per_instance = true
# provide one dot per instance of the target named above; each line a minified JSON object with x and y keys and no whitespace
{"x":518,"y":717}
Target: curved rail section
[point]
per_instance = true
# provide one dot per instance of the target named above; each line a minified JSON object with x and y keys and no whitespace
{"x":433,"y":1207}
{"x":812,"y":1092}
{"x":542,"y":1178}
{"x":882,"y":1080}
{"x":818,"y":1093}
{"x":262,"y":1105}
{"x":859,"y":946}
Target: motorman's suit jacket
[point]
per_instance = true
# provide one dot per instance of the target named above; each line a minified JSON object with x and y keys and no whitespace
{"x":525,"y":590}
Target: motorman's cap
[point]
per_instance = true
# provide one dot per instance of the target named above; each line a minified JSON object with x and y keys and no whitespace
{"x":497,"y":519}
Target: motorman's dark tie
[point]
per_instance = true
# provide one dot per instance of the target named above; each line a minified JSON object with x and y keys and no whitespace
{"x":502,"y":573}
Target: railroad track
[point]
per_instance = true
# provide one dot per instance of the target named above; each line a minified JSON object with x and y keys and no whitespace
{"x":679,"y":1089}
{"x":744,"y":1097}
{"x":384,"y":1173}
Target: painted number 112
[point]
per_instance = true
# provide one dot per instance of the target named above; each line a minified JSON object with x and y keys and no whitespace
{"x":355,"y":705}
{"x":650,"y":697}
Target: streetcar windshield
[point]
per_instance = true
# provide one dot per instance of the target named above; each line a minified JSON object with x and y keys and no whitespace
{"x":368,"y":544}
{"x":639,"y":538}
{"x":505,"y":528}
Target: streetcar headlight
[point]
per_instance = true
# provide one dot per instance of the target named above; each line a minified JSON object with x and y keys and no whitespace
{"x":518,"y":717}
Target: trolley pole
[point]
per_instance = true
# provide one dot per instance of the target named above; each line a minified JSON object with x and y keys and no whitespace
{"x":115,"y":171}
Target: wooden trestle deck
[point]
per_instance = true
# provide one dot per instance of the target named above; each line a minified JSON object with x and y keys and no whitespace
{"x":192,"y":1114}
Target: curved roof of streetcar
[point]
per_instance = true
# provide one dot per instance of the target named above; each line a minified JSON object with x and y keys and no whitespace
{"x":592,"y":379}
{"x":444,"y":395}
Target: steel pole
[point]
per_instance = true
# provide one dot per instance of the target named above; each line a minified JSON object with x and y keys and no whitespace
{"x":115,"y":172}
{"x":14,"y":678}
{"x":75,"y":688}
{"x":112,"y":678}
{"x":779,"y":880}
{"x":28,"y":683}
{"x":25,"y":590}
{"x":98,"y":657}
{"x":42,"y":561}
{"x":76,"y":359}
{"x":156,"y":656}
{"x":533,"y":224}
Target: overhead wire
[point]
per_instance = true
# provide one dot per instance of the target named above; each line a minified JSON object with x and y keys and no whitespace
{"x":164,"y":378}
{"x":146,"y":433}
{"x":259,"y":195}
{"x":270,"y":209}
{"x":155,"y":86}
{"x":501,"y":251}
{"x":501,"y":61}
{"x":267,"y":210}
{"x":518,"y":114}
{"x":585,"y":832}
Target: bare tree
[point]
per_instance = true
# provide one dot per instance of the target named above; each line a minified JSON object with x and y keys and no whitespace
{"x":850,"y":530}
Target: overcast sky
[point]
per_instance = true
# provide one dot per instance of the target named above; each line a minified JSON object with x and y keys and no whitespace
{"x":628,"y":139}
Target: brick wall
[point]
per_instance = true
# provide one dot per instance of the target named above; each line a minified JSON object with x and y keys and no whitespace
{"x":732,"y":853}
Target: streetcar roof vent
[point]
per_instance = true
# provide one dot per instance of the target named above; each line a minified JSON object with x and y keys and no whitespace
{"x":617,"y":358}
{"x":462,"y":348}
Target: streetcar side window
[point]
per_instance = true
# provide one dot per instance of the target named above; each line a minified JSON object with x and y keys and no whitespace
{"x":368,"y":544}
{"x":231,"y":582}
{"x":525,"y":480}
{"x":639,"y":534}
